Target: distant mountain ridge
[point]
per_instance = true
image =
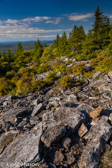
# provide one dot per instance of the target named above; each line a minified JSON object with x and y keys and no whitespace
{"x":27,"y":45}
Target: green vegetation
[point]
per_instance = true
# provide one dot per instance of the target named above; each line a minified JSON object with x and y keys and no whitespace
{"x":18,"y":70}
{"x":66,"y":81}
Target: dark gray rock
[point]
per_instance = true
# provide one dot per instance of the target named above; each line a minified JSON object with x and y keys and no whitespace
{"x":37,"y":109}
{"x":96,"y":138}
{"x":25,"y":148}
{"x":53,"y":135}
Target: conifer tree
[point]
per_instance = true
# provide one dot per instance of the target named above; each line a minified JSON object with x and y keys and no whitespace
{"x":9,"y":59}
{"x":56,"y":42}
{"x":45,"y":45}
{"x":101,"y":28}
{"x":19,"y":49}
{"x":4,"y":58}
{"x":38,"y":50}
{"x":63,"y":44}
{"x":38,"y":44}
{"x":76,"y":39}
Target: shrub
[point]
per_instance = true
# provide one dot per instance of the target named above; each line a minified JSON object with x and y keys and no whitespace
{"x":50,"y":78}
{"x":66,"y":81}
{"x":59,"y":67}
{"x":43,"y":68}
{"x":79,"y":68}
{"x":37,"y":85}
{"x":23,"y":86}
{"x":69,"y":70}
{"x":103,"y":62}
{"x":4,"y":87}
{"x":23,"y":72}
{"x":10,"y":74}
{"x":48,"y":54}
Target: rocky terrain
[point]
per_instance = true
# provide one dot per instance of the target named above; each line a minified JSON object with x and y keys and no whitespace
{"x":58,"y":127}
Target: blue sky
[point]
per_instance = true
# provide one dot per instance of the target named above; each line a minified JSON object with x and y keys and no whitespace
{"x":25,"y":20}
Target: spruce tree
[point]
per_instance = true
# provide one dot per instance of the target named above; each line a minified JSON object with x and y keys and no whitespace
{"x":19,"y":49}
{"x":76,"y":39}
{"x":56,"y":42}
{"x":63,"y":44}
{"x":38,"y":44}
{"x":9,"y":59}
{"x":45,"y":45}
{"x":38,"y":50}
{"x":101,"y":28}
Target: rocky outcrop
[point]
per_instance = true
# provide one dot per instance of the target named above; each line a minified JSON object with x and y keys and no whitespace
{"x":57,"y":127}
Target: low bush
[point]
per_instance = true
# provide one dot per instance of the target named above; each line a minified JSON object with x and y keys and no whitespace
{"x":4,"y":86}
{"x":66,"y":81}
{"x":10,"y":74}
{"x":50,"y":78}
{"x":23,"y":86}
{"x":36,"y":85}
{"x":59,"y":67}
{"x":43,"y":68}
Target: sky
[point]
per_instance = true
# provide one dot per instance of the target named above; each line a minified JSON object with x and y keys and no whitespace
{"x":26,"y":20}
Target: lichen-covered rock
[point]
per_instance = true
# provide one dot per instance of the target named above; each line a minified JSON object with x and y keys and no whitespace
{"x":58,"y":127}
{"x":25,"y":148}
{"x":97,"y":74}
{"x":110,"y":118}
{"x":6,"y":138}
{"x":96,"y":139}
{"x":96,"y":112}
{"x":53,"y":135}
{"x":83,"y":130}
{"x":37,"y":109}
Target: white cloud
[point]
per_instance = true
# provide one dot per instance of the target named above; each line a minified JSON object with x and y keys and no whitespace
{"x":27,"y":28}
{"x":83,"y":17}
{"x":46,"y":19}
{"x":11,"y":21}
{"x":35,"y":19}
{"x":15,"y":27}
{"x":54,"y":20}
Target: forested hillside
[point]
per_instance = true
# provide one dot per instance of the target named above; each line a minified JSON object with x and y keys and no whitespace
{"x":18,"y":71}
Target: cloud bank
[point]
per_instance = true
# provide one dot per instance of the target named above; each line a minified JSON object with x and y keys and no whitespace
{"x":80,"y":17}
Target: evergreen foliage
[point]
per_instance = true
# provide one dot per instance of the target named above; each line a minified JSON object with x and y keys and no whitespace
{"x":17,"y":71}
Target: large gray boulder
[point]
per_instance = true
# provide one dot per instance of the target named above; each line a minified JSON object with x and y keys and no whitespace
{"x":24,"y":149}
{"x":53,"y":135}
{"x":96,"y":138}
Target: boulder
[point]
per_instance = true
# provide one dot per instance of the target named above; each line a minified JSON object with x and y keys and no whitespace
{"x":53,"y":135}
{"x":13,"y":114}
{"x":83,"y":130}
{"x":97,"y":74}
{"x":6,"y":138}
{"x":96,"y":112}
{"x":24,"y":149}
{"x":72,"y":98}
{"x":96,"y":138}
{"x":110,"y":74}
{"x":110,"y":118}
{"x":37,"y":109}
